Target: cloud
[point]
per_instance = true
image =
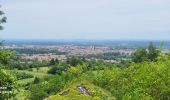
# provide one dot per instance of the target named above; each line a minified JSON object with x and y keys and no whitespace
{"x":87,"y":18}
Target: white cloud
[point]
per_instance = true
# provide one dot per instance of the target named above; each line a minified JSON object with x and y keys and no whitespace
{"x":87,"y":18}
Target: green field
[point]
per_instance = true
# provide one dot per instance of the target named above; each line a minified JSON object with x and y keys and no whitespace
{"x":41,"y":73}
{"x":22,"y":93}
{"x":41,"y":69}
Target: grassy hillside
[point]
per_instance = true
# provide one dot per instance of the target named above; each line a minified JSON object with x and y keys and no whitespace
{"x":33,"y":73}
{"x":83,"y":91}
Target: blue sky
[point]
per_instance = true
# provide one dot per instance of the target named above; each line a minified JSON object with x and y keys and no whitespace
{"x":87,"y":19}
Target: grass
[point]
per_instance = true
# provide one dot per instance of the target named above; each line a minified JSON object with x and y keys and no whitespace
{"x":41,"y":69}
{"x":72,"y":93}
{"x":29,"y":80}
{"x":22,"y":93}
{"x":25,"y":81}
{"x":34,"y":73}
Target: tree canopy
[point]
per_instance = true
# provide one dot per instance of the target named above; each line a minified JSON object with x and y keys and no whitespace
{"x":3,"y":19}
{"x":142,"y":54}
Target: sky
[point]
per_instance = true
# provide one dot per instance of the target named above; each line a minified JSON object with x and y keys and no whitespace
{"x":87,"y":19}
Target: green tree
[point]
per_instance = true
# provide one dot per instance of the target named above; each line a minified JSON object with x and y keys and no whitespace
{"x":5,"y":56}
{"x":36,"y":80}
{"x":145,"y":80}
{"x":152,"y":52}
{"x":2,"y":18}
{"x":52,"y":62}
{"x":38,"y":92}
{"x":55,"y":69}
{"x":140,"y":55}
{"x":6,"y":80}
{"x":75,"y":70}
{"x":73,"y":61}
{"x":56,"y":61}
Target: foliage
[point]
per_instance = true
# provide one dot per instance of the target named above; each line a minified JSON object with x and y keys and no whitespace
{"x":2,"y":18}
{"x":36,"y":80}
{"x":92,"y":93}
{"x":142,"y":54}
{"x":54,"y":62}
{"x":77,"y":70}
{"x":50,"y":87}
{"x":152,"y":52}
{"x":7,"y":82}
{"x":38,"y":51}
{"x":35,"y":74}
{"x":23,"y":64}
{"x":98,"y":65}
{"x":109,"y":56}
{"x":37,"y":92}
{"x":74,"y":70}
{"x":5,"y":56}
{"x":147,"y":80}
{"x":22,"y":75}
{"x":56,"y":69}
{"x":73,"y":61}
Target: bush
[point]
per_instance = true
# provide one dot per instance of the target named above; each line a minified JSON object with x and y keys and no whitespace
{"x":44,"y":89}
{"x":55,"y":69}
{"x":7,"y":82}
{"x":144,"y":80}
{"x":22,"y":75}
{"x":38,"y":92}
{"x":36,"y":80}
